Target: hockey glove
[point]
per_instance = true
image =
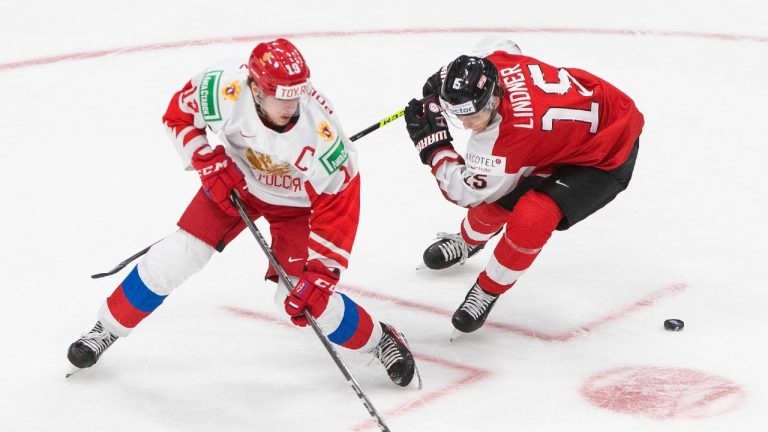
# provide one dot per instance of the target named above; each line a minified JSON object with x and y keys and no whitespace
{"x":220,"y":176}
{"x":311,"y":293}
{"x":433,"y":84}
{"x":427,"y":127}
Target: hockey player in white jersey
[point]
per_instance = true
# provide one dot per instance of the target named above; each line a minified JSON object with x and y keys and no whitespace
{"x":287,"y":157}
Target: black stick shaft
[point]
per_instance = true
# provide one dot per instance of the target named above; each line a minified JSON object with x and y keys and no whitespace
{"x":311,"y":320}
{"x":124,"y":263}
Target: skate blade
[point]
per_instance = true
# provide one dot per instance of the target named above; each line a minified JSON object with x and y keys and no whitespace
{"x":456,"y":334}
{"x":72,"y":370}
{"x":421,"y":266}
{"x":418,"y":377}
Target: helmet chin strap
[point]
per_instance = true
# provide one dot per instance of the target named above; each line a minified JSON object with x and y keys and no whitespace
{"x":257,"y":97}
{"x":493,"y":107}
{"x":493,"y":104}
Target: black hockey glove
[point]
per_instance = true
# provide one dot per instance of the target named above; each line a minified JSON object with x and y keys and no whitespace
{"x":427,"y":127}
{"x":433,"y":84}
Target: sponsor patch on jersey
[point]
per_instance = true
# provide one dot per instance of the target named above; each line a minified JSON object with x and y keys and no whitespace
{"x":486,"y":163}
{"x":231,"y":91}
{"x":325,"y":131}
{"x":335,"y":157}
{"x":209,"y":95}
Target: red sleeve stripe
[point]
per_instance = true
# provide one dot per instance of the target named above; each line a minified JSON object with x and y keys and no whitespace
{"x":187,"y":134}
{"x":186,"y":151}
{"x":327,"y":262}
{"x":445,"y":156}
{"x":326,"y":256}
{"x":329,"y":245}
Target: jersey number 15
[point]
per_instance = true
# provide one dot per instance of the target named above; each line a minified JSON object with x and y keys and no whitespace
{"x":562,"y":86}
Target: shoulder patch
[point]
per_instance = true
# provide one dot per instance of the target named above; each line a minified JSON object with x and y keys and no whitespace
{"x":335,"y":157}
{"x":231,"y":91}
{"x":325,"y":132}
{"x":209,"y":95}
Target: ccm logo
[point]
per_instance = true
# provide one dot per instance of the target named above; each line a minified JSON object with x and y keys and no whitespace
{"x":212,"y":168}
{"x":325,"y":284}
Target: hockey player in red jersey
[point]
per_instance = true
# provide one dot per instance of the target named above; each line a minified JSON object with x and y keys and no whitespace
{"x":285,"y":154}
{"x":549,"y":147}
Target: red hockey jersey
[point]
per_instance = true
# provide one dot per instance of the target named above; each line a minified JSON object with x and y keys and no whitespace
{"x":548,"y":117}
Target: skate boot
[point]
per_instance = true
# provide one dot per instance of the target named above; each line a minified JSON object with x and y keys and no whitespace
{"x":393,"y":352}
{"x":472,"y":313}
{"x":85,"y":352}
{"x":448,"y":250}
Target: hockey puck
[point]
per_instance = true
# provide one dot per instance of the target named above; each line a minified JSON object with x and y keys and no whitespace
{"x":674,"y":324}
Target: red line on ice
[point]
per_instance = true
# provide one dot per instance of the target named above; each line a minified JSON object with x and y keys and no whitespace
{"x":472,"y":374}
{"x":257,"y":316}
{"x":373,"y":32}
{"x":568,"y":335}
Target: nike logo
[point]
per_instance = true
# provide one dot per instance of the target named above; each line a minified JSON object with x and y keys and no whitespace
{"x":291,"y":259}
{"x":562,"y":184}
{"x":246,"y":136}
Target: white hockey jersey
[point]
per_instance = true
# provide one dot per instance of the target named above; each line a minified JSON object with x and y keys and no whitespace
{"x":312,"y":164}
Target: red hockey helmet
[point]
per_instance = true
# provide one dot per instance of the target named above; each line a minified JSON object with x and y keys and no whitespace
{"x":279,"y":69}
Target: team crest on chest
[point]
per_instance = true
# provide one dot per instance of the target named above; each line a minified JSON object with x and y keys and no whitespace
{"x":263,"y":163}
{"x":325,"y":132}
{"x":231,"y":91}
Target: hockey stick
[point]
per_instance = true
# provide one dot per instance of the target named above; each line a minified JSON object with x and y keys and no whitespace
{"x":378,"y":125}
{"x":124,"y":263}
{"x":283,"y":276}
{"x":354,"y":137}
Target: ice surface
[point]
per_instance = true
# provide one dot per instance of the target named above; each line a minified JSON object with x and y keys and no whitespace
{"x":88,"y":178}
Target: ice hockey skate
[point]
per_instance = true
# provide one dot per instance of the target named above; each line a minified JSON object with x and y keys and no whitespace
{"x":393,"y":352}
{"x":474,"y":310}
{"x":85,"y":352}
{"x":450,"y":249}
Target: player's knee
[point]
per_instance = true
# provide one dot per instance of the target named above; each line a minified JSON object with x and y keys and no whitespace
{"x":171,"y":261}
{"x":487,"y":215}
{"x":533,"y":220}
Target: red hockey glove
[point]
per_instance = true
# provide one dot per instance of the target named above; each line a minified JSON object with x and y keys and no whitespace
{"x":427,"y":127}
{"x":220,"y":176}
{"x":311,"y":293}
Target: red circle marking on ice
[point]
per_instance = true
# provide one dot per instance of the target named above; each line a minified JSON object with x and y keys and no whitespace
{"x":663,"y":393}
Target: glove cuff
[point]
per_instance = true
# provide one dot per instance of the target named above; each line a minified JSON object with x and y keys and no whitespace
{"x":315,"y":269}
{"x":428,"y":145}
{"x":204,"y":152}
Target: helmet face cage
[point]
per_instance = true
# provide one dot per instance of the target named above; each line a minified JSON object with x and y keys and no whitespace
{"x":279,"y":69}
{"x":468,"y":85}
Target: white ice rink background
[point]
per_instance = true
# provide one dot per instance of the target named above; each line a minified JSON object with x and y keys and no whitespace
{"x":88,"y":177}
